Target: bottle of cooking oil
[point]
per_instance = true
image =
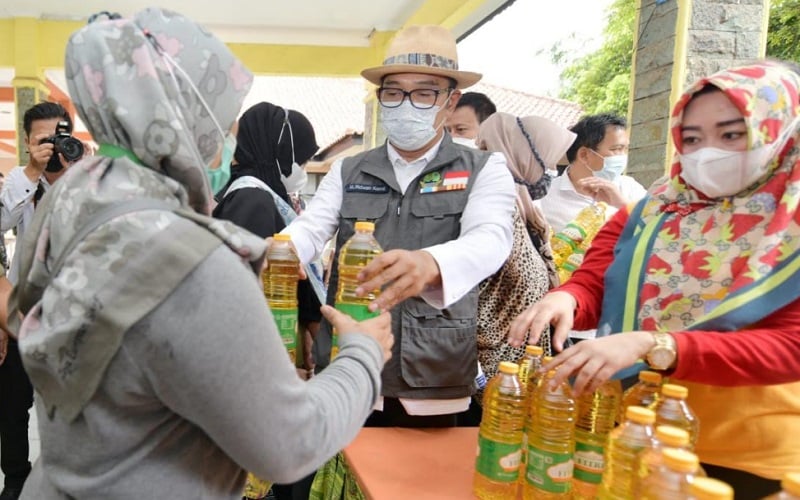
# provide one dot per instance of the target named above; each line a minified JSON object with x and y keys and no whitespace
{"x":500,"y":436}
{"x":551,"y":441}
{"x":356,"y":253}
{"x":529,"y":365}
{"x":597,"y":412}
{"x":528,"y":375}
{"x":672,"y":409}
{"x":530,"y":409}
{"x":644,"y":393}
{"x":790,"y":488}
{"x":576,"y":237}
{"x":671,"y":480}
{"x":706,"y":488}
{"x":280,"y":289}
{"x":652,"y":458}
{"x":625,"y":443}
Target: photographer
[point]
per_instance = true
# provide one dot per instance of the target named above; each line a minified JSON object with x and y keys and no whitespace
{"x":23,"y":187}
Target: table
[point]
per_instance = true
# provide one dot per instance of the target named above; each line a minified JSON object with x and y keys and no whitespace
{"x":423,"y":464}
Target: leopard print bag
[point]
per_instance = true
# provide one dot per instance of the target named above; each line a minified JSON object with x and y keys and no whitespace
{"x":521,"y":282}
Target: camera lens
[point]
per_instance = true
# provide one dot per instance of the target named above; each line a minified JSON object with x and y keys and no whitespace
{"x":70,"y":148}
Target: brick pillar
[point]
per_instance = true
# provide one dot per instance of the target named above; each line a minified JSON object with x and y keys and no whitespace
{"x":679,"y":41}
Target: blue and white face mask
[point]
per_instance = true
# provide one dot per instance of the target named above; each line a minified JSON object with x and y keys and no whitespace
{"x":613,"y":166}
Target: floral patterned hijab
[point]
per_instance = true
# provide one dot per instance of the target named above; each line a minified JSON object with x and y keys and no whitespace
{"x":686,"y":262}
{"x":160,"y":86}
{"x":113,"y":238}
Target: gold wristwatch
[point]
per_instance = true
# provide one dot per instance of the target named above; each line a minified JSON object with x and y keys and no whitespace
{"x":662,"y":355}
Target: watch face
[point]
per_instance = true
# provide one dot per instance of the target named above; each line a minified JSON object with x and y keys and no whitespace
{"x":661,"y":358}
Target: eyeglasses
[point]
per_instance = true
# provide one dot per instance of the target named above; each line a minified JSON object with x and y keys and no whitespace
{"x":419,"y":98}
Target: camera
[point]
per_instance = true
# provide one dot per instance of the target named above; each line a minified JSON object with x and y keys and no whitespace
{"x":69,"y":147}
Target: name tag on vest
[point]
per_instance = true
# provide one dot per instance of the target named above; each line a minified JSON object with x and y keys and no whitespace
{"x":367,"y":188}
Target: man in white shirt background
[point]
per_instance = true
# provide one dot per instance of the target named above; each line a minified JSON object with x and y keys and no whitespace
{"x":25,"y":185}
{"x":443,"y":215}
{"x":597,"y":161}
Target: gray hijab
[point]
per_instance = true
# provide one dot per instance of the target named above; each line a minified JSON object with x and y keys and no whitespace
{"x":154,"y":92}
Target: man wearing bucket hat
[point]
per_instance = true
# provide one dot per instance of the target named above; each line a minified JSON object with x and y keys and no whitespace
{"x":443,"y":215}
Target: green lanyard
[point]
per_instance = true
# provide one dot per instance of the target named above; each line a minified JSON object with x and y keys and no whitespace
{"x":112,"y":151}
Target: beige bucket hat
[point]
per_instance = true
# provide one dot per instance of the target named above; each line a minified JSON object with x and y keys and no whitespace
{"x":428,"y":49}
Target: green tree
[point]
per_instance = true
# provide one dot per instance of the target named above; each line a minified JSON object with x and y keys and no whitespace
{"x":600,"y":80}
{"x":783,"y":37}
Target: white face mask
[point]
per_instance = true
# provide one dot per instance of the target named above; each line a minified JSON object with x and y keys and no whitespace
{"x":719,"y":172}
{"x":470,"y":143}
{"x":409,"y":128}
{"x":297,"y":179}
{"x":613,"y":166}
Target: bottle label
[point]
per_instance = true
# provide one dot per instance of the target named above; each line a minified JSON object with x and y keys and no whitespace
{"x":498,"y":461}
{"x":358,"y":312}
{"x":588,"y":463}
{"x":549,"y":471}
{"x":286,"y":319}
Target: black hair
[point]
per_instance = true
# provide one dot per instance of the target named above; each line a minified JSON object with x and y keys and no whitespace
{"x":480,"y":104}
{"x":591,"y":130}
{"x":45,"y":111}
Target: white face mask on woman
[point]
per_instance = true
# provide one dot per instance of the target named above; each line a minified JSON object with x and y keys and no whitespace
{"x":409,"y":128}
{"x":719,"y":173}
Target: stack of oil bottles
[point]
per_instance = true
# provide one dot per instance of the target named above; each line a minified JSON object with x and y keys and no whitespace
{"x":538,"y":441}
{"x":570,"y":244}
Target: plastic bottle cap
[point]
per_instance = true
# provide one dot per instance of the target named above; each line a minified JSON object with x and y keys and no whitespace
{"x":363,"y":225}
{"x":509,"y":367}
{"x":674,"y":391}
{"x":547,"y":359}
{"x":680,"y":460}
{"x":534,"y":350}
{"x":282,"y":237}
{"x":791,"y":483}
{"x":651,"y":377}
{"x":672,"y":436}
{"x":640,"y":415}
{"x":708,"y":488}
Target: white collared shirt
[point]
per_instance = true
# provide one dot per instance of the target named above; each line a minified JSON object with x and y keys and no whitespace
{"x":483,"y":245}
{"x":562,"y":202}
{"x":17,"y":210}
{"x":486,"y":224}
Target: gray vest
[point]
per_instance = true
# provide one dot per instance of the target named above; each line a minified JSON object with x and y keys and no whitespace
{"x":435,"y":351}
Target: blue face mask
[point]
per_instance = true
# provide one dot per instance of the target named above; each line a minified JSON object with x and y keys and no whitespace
{"x":220,"y":176}
{"x":613,"y":166}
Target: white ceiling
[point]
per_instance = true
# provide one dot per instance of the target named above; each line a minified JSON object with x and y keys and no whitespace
{"x":313,"y":22}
